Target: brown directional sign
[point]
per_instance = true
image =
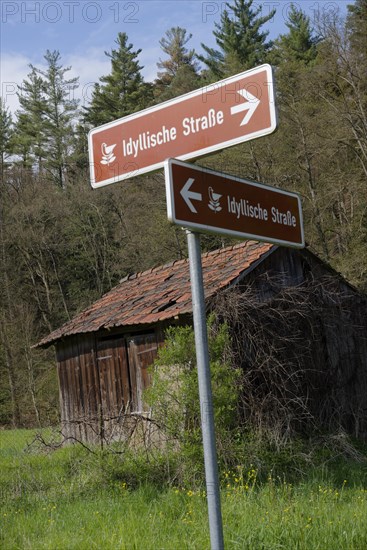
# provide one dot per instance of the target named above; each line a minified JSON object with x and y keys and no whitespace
{"x":205,"y":200}
{"x":237,"y":109}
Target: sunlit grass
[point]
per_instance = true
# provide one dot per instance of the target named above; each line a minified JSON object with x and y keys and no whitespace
{"x":70,"y":499}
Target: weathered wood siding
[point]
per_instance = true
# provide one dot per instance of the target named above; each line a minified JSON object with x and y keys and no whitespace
{"x":114,"y":383}
{"x":101,"y":378}
{"x":79,"y":388}
{"x":142,"y":352}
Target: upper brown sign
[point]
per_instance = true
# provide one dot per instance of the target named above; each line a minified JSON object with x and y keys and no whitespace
{"x":216,"y":116}
{"x":205,"y":200}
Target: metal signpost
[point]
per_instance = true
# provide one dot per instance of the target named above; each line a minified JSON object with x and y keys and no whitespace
{"x":216,"y":116}
{"x":205,"y":392}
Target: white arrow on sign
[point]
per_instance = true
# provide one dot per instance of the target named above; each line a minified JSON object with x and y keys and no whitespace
{"x":188,"y":195}
{"x":252,"y":104}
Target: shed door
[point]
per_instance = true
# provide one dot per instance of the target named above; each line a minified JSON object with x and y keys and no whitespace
{"x":114,"y":382}
{"x":142,"y":353}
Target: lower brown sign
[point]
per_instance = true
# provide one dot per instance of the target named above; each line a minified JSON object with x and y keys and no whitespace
{"x":205,"y":200}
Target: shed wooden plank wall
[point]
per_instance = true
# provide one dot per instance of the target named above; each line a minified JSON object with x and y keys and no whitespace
{"x":142,"y":352}
{"x":101,"y":378}
{"x":79,"y":388}
{"x":114,"y":384}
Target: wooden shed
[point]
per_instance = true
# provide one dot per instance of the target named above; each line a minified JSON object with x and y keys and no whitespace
{"x":103,"y":353}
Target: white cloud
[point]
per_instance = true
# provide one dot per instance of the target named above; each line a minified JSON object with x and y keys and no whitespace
{"x":89,"y":66}
{"x":148,"y":59}
{"x":14,"y":68}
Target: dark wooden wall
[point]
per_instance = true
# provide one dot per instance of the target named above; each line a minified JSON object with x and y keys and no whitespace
{"x":101,"y":378}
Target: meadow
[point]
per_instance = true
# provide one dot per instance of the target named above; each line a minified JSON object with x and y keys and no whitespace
{"x":72,"y":498}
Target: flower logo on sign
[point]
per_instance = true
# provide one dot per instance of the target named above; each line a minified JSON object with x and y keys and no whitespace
{"x":107,"y":153}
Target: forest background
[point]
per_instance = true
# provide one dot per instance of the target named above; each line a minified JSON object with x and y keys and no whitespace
{"x":63,"y":245}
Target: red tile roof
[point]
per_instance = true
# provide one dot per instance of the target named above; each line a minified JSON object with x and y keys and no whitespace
{"x":162,"y":292}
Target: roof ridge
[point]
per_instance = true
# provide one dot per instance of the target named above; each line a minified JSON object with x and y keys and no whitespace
{"x":138,"y":274}
{"x":155,"y":269}
{"x":242,"y":244}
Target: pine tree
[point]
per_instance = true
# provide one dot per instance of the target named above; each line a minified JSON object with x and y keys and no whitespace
{"x":6,"y":130}
{"x":78,"y":160}
{"x":300,"y":43}
{"x":45,"y":122}
{"x":30,"y":141}
{"x":242,"y":44}
{"x":180,"y":70}
{"x":60,"y":114}
{"x":22,"y":141}
{"x":123,"y":91}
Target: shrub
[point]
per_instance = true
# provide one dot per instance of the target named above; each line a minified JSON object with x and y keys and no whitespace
{"x":174,"y":399}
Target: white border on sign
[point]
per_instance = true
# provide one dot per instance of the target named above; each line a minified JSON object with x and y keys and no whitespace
{"x":196,"y":153}
{"x":171,"y":214}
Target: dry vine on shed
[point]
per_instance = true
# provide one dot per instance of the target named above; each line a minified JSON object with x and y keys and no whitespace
{"x":282,"y":338}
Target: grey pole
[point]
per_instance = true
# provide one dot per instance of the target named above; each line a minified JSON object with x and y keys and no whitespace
{"x":205,"y":392}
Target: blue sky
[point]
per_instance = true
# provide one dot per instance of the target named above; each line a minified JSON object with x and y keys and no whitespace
{"x":82,"y":30}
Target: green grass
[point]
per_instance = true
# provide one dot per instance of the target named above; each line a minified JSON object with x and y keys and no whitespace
{"x":73,"y":499}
